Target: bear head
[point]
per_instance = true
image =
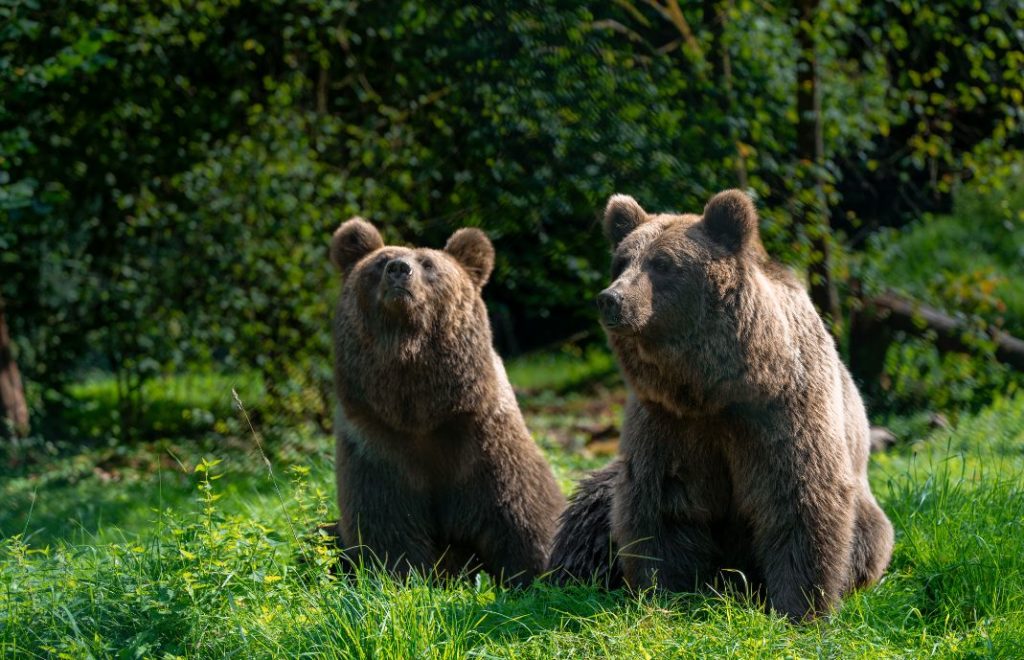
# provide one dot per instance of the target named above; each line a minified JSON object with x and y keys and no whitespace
{"x":674,"y":310}
{"x":669,"y":271}
{"x":411,"y":290}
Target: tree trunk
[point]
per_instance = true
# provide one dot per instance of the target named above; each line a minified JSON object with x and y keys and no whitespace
{"x":813,"y":213}
{"x":12,"y":393}
{"x":716,"y":13}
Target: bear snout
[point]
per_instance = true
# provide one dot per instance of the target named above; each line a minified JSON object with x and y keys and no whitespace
{"x":609,"y":304}
{"x":398,"y":271}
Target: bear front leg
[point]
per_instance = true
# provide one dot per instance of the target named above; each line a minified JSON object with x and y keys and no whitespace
{"x":654,"y":549}
{"x":382,"y":520}
{"x":510,"y":552}
{"x":800,"y":505}
{"x":635,"y":517}
{"x":511,"y":523}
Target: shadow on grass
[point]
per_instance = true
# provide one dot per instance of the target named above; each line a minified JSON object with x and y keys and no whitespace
{"x":379,"y":618}
{"x":517,"y":615}
{"x":91,"y":509}
{"x":591,"y":620}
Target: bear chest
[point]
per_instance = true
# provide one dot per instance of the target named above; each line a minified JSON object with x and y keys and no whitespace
{"x":696,"y":487}
{"x":444,"y":453}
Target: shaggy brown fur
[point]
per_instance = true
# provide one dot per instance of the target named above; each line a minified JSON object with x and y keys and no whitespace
{"x":745,"y":441}
{"x":583,"y":550}
{"x":435,"y":466}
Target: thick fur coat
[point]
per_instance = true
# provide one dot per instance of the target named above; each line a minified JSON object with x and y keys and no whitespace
{"x":435,"y":467}
{"x":745,"y":441}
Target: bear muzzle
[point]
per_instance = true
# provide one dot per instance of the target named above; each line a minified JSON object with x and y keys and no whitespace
{"x":609,"y":304}
{"x":398,"y":276}
{"x":398,"y":271}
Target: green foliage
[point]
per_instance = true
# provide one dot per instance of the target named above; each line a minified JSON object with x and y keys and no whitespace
{"x":569,"y":368}
{"x":967,"y":263}
{"x":970,"y":260}
{"x":167,"y":220}
{"x":918,"y":377}
{"x":170,"y":172}
{"x":952,"y":92}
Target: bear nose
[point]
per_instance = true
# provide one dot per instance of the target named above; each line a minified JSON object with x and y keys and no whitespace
{"x":397,"y":270}
{"x":609,"y":302}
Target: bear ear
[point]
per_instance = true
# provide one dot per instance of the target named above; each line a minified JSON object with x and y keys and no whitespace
{"x":473,"y":250}
{"x":730,"y":219}
{"x":622,"y":215}
{"x":352,"y":241}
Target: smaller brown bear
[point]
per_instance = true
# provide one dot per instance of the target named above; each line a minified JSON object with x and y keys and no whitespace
{"x":435,"y":467}
{"x":745,"y":441}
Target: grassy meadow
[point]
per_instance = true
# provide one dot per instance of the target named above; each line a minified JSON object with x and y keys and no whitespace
{"x":201,"y":547}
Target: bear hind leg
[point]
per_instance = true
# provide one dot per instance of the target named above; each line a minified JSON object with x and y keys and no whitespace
{"x":872,"y":543}
{"x":583,"y":550}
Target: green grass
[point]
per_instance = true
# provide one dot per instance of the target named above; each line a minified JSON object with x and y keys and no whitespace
{"x":173,"y":405}
{"x":158,"y":550}
{"x":950,"y":262}
{"x":562,"y":371}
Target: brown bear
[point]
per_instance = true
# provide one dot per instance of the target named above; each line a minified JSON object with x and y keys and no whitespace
{"x":435,"y":467}
{"x":745,"y":441}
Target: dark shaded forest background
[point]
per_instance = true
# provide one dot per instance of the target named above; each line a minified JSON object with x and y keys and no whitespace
{"x":170,"y":172}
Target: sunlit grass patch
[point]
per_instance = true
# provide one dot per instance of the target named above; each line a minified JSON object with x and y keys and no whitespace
{"x":170,"y":405}
{"x":560,"y":371}
{"x":216,"y":561}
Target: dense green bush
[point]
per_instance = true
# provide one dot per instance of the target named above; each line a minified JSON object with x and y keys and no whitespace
{"x":170,"y":172}
{"x":954,"y":71}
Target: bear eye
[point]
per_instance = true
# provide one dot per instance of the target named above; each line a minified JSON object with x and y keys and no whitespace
{"x":428,"y":264}
{"x":662,"y":265}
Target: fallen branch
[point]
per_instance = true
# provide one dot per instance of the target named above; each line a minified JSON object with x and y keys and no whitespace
{"x":874,"y":324}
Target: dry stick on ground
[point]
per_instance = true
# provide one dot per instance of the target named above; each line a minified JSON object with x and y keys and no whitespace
{"x":875,"y":323}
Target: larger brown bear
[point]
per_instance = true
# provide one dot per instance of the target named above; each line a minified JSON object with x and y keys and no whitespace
{"x":435,"y":467}
{"x":745,"y":442}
